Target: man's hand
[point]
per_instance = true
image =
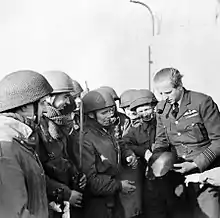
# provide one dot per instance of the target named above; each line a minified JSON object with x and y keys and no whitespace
{"x":195,"y":178}
{"x":127,"y":186}
{"x":55,"y":207}
{"x":75,"y":198}
{"x":211,"y":176}
{"x":184,"y":167}
{"x":82,"y":182}
{"x":132,"y":161}
{"x":66,"y":209}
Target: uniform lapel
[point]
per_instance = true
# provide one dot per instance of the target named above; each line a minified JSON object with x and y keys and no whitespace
{"x":184,"y":103}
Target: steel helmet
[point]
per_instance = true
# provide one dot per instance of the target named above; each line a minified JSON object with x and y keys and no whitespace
{"x":111,"y":91}
{"x":127,"y":97}
{"x":97,"y":99}
{"x":143,"y":96}
{"x":162,"y":162}
{"x":77,"y":88}
{"x":22,"y":87}
{"x":60,"y":81}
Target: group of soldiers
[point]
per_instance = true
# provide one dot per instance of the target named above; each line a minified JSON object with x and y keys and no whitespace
{"x":66,"y":152}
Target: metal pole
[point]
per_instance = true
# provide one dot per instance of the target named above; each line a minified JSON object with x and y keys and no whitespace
{"x":151,"y":13}
{"x":149,"y":64}
{"x":149,"y":48}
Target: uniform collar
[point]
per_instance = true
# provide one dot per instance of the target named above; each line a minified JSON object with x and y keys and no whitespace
{"x":181,"y":98}
{"x":93,"y":124}
{"x":12,"y":128}
{"x":185,"y":101}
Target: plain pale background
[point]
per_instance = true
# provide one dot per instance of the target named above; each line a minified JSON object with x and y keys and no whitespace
{"x":105,"y":42}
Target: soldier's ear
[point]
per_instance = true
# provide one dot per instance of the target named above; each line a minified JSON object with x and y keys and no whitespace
{"x":91,"y":115}
{"x":180,"y":87}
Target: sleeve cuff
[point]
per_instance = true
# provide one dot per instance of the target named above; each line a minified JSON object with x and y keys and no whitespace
{"x":205,"y":159}
{"x":67,"y":194}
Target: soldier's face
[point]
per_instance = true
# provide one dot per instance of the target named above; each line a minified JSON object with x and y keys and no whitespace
{"x":104,"y":116}
{"x":131,"y":114}
{"x":61,"y":100}
{"x":78,"y":102}
{"x":145,"y":111}
{"x":165,"y":88}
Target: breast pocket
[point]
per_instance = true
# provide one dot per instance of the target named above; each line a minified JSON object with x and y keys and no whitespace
{"x":196,"y":131}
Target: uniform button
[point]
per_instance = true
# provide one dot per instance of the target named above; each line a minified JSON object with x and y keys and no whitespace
{"x":179,"y":134}
{"x":22,"y":142}
{"x":184,"y":156}
{"x":176,"y":122}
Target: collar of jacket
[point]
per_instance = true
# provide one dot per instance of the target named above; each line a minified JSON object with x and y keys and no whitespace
{"x":11,"y":128}
{"x":93,"y":124}
{"x":147,"y":124}
{"x":186,"y":99}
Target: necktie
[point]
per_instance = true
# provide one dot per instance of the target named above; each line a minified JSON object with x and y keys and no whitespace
{"x":175,"y":110}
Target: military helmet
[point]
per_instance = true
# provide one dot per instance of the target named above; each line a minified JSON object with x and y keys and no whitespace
{"x":162,"y":162}
{"x":77,"y":88}
{"x":60,"y":81}
{"x":111,"y":91}
{"x":143,"y":96}
{"x":127,"y":97}
{"x":97,"y":99}
{"x":22,"y":87}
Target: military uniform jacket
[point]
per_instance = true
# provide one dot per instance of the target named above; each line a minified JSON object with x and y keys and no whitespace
{"x":58,"y":167}
{"x":101,"y":162}
{"x":195,"y":132}
{"x":22,"y":178}
{"x":140,"y":138}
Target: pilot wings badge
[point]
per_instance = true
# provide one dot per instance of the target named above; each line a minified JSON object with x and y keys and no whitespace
{"x":191,"y":113}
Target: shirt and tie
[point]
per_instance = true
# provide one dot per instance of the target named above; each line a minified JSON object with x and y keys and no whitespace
{"x":175,"y":109}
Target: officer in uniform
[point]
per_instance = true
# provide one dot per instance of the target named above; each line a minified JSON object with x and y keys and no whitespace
{"x":188,"y":123}
{"x":102,"y":157}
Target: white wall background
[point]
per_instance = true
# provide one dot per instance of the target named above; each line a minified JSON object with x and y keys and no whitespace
{"x":106,"y":41}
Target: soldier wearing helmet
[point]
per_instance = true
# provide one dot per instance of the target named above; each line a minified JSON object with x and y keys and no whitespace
{"x":54,"y":130}
{"x":140,"y":139}
{"x":126,"y":98}
{"x":22,"y":186}
{"x":102,"y":158}
{"x":131,"y":202}
{"x":77,"y":92}
{"x":120,"y":122}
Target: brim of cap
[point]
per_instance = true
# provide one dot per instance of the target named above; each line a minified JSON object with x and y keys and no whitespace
{"x":62,"y":91}
{"x":139,"y":102}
